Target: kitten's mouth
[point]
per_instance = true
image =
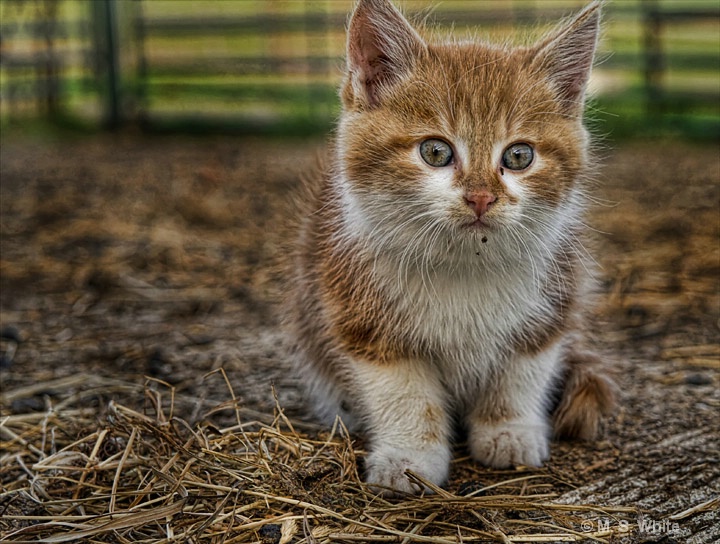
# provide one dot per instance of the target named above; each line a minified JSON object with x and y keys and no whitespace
{"x":480,"y":224}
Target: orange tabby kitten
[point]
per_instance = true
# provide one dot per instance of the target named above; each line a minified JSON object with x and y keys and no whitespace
{"x":439,"y":274}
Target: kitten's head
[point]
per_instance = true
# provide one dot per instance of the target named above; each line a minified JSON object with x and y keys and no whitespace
{"x":467,"y":140}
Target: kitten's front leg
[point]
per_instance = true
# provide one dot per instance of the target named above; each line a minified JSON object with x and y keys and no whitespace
{"x":407,"y":423}
{"x":510,"y":425}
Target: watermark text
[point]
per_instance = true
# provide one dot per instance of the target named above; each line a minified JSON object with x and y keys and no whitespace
{"x":644,"y":525}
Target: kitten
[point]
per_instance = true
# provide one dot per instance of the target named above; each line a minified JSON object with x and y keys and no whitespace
{"x":439,"y":274}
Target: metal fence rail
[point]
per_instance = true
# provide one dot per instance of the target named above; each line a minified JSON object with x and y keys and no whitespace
{"x":253,"y":64}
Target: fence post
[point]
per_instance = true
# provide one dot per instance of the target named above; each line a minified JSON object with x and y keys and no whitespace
{"x":104,"y":13}
{"x":142,"y":73}
{"x":315,"y":27}
{"x":654,"y":59}
{"x":49,"y":70}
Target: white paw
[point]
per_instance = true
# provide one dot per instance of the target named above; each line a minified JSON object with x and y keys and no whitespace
{"x":386,"y":466}
{"x":512,"y":443}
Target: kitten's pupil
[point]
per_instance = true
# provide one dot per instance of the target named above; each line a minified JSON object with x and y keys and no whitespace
{"x":436,"y":152}
{"x":518,"y":156}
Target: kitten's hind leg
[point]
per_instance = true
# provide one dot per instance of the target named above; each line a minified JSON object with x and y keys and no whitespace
{"x":588,"y":395}
{"x":407,"y":423}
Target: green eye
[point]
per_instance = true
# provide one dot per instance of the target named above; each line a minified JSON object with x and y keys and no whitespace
{"x":436,"y":152}
{"x":518,"y":157}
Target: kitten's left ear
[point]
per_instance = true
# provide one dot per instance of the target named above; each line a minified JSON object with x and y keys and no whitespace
{"x":566,"y":56}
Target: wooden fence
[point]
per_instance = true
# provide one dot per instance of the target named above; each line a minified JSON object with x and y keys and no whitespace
{"x":656,"y":21}
{"x":252,"y":64}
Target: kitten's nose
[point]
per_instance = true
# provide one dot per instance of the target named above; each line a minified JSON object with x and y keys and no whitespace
{"x":480,"y":201}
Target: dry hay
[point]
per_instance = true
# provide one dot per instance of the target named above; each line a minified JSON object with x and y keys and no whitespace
{"x":133,"y":270}
{"x":127,"y":476}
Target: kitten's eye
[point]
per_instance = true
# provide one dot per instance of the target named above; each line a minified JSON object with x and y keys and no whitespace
{"x":518,"y":157}
{"x":436,"y":152}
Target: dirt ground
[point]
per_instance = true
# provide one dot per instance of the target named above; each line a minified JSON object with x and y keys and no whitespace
{"x":133,"y":260}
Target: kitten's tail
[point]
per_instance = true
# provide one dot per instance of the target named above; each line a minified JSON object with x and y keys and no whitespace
{"x":588,"y":395}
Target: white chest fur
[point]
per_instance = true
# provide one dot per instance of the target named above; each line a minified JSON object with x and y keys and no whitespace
{"x":466,"y":317}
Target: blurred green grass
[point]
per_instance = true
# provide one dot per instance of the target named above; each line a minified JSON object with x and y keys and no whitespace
{"x":256,"y":78}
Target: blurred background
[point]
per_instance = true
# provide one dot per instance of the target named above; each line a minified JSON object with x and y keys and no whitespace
{"x":148,"y":149}
{"x":272,"y":66}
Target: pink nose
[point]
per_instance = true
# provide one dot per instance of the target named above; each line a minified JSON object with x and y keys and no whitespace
{"x":480,"y":201}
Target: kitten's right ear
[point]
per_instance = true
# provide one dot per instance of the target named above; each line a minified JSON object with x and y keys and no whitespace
{"x":382,"y":47}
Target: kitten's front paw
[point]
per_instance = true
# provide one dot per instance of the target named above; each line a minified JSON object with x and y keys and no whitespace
{"x":510,"y":443}
{"x":386,"y":466}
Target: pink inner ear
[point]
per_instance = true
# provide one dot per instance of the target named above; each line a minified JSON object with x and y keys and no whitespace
{"x":381,"y":44}
{"x":369,"y":58}
{"x":574,"y":83}
{"x":365,"y":60}
{"x":567,"y":57}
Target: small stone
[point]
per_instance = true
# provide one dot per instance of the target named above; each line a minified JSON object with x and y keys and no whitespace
{"x":5,"y":361}
{"x":157,"y":365}
{"x":470,"y":488}
{"x":698,"y":378}
{"x":64,"y":335}
{"x":11,"y":334}
{"x":200,"y":339}
{"x":28,"y":405}
{"x":272,"y":532}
